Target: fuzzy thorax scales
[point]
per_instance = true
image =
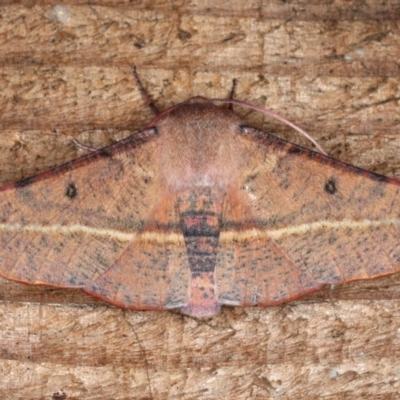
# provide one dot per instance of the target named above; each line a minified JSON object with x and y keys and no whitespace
{"x":199,"y":145}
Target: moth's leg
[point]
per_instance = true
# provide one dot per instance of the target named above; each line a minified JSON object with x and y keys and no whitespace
{"x":146,"y":96}
{"x":84,"y":147}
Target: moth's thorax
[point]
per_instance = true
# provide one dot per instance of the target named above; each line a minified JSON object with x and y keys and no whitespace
{"x":198,"y":145}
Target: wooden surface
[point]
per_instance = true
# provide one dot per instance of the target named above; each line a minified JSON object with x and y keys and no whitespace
{"x":330,"y":67}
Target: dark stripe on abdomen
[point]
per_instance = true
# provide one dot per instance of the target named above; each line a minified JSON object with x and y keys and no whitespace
{"x":201,"y":235}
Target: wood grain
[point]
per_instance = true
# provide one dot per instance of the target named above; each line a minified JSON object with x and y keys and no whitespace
{"x":330,"y":68}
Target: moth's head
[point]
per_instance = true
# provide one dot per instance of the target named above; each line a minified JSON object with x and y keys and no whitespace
{"x":195,"y":106}
{"x":197,"y":99}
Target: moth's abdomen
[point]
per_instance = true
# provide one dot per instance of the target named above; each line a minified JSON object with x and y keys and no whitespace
{"x":200,"y":219}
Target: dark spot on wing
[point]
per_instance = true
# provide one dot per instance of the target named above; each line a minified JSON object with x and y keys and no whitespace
{"x":59,"y":395}
{"x":330,"y":186}
{"x":147,"y":180}
{"x":71,"y":190}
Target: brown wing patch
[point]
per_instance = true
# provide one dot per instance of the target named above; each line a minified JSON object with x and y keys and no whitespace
{"x":152,"y":272}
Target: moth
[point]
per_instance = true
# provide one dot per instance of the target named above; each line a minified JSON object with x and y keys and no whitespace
{"x":196,"y":211}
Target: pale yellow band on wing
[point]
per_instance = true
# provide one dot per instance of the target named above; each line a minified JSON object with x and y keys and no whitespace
{"x":68,"y":230}
{"x":303,"y":229}
{"x":176,"y":237}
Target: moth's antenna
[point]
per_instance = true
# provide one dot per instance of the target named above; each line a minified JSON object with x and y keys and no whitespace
{"x":234,"y":85}
{"x":272,"y":114}
{"x":143,"y":92}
